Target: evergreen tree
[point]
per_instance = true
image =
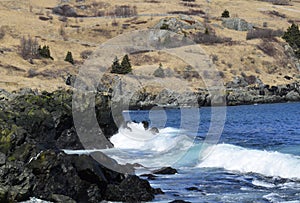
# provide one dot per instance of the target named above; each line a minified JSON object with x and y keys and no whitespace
{"x":206,"y":31}
{"x":116,"y":67}
{"x":44,"y":52}
{"x":123,"y":68}
{"x":292,"y":36}
{"x":69,"y":57}
{"x":225,"y":14}
{"x":125,"y":64}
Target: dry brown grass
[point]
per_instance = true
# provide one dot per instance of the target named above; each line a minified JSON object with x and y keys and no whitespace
{"x":19,"y":18}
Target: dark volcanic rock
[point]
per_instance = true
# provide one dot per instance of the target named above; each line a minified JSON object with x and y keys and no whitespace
{"x":47,"y":120}
{"x":131,"y":189}
{"x":149,"y":176}
{"x":33,"y":130}
{"x":165,"y":170}
{"x":193,"y":189}
{"x":179,"y":201}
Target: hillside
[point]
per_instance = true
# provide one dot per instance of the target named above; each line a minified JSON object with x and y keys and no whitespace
{"x":93,"y":22}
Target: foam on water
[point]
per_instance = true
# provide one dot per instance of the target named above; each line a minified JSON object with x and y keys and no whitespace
{"x":171,"y":145}
{"x":234,"y":158}
{"x":140,"y":139}
{"x":263,"y":184}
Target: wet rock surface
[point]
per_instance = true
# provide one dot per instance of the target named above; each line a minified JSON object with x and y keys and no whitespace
{"x":165,"y":171}
{"x":34,"y":128}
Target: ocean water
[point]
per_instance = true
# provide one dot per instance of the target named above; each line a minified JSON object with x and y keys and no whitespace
{"x":256,"y":159}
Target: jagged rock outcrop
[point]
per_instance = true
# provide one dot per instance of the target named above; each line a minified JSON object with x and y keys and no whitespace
{"x":34,"y":128}
{"x":179,"y":24}
{"x":237,"y":24}
{"x":241,"y":90}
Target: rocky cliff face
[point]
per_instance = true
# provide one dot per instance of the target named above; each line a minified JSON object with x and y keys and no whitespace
{"x":240,"y":91}
{"x":33,"y":130}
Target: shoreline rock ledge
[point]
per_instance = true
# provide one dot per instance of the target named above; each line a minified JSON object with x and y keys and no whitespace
{"x":33,"y":130}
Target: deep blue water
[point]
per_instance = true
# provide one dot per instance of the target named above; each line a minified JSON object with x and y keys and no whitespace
{"x":261,"y":148}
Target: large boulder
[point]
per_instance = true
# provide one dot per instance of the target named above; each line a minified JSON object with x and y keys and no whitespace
{"x":57,"y":177}
{"x":131,"y":189}
{"x":165,"y":171}
{"x":65,"y":10}
{"x":237,"y":24}
{"x":179,"y":24}
{"x":293,"y":96}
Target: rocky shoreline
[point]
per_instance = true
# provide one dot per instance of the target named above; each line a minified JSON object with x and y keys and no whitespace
{"x":34,"y":127}
{"x":33,"y":130}
{"x":241,"y":91}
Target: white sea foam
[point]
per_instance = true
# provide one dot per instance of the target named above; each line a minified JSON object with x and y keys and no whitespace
{"x":244,"y":160}
{"x":171,"y":146}
{"x":263,"y":184}
{"x":140,"y":139}
{"x":137,"y":145}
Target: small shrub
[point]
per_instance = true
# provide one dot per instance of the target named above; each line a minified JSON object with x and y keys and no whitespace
{"x":159,"y":72}
{"x":164,"y":26}
{"x":114,"y":23}
{"x":267,"y":47}
{"x":192,"y":5}
{"x":276,"y":13}
{"x":206,"y":74}
{"x":32,"y":73}
{"x":263,"y":33}
{"x":123,"y":11}
{"x":2,"y":33}
{"x":278,"y":2}
{"x":221,"y":74}
{"x":29,"y":48}
{"x":225,"y":14}
{"x":85,"y":54}
{"x":62,"y":32}
{"x":265,"y":24}
{"x":250,"y":79}
{"x":210,"y":38}
{"x":206,"y":31}
{"x":214,"y":58}
{"x":152,"y":1}
{"x":69,"y":57}
{"x":189,"y":12}
{"x":233,"y":72}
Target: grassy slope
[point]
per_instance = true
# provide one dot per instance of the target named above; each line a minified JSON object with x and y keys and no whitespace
{"x":18,"y":20}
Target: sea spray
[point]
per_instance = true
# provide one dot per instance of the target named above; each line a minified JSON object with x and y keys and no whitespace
{"x":235,"y":158}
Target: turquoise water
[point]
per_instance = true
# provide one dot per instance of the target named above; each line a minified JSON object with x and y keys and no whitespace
{"x":257,"y":158}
